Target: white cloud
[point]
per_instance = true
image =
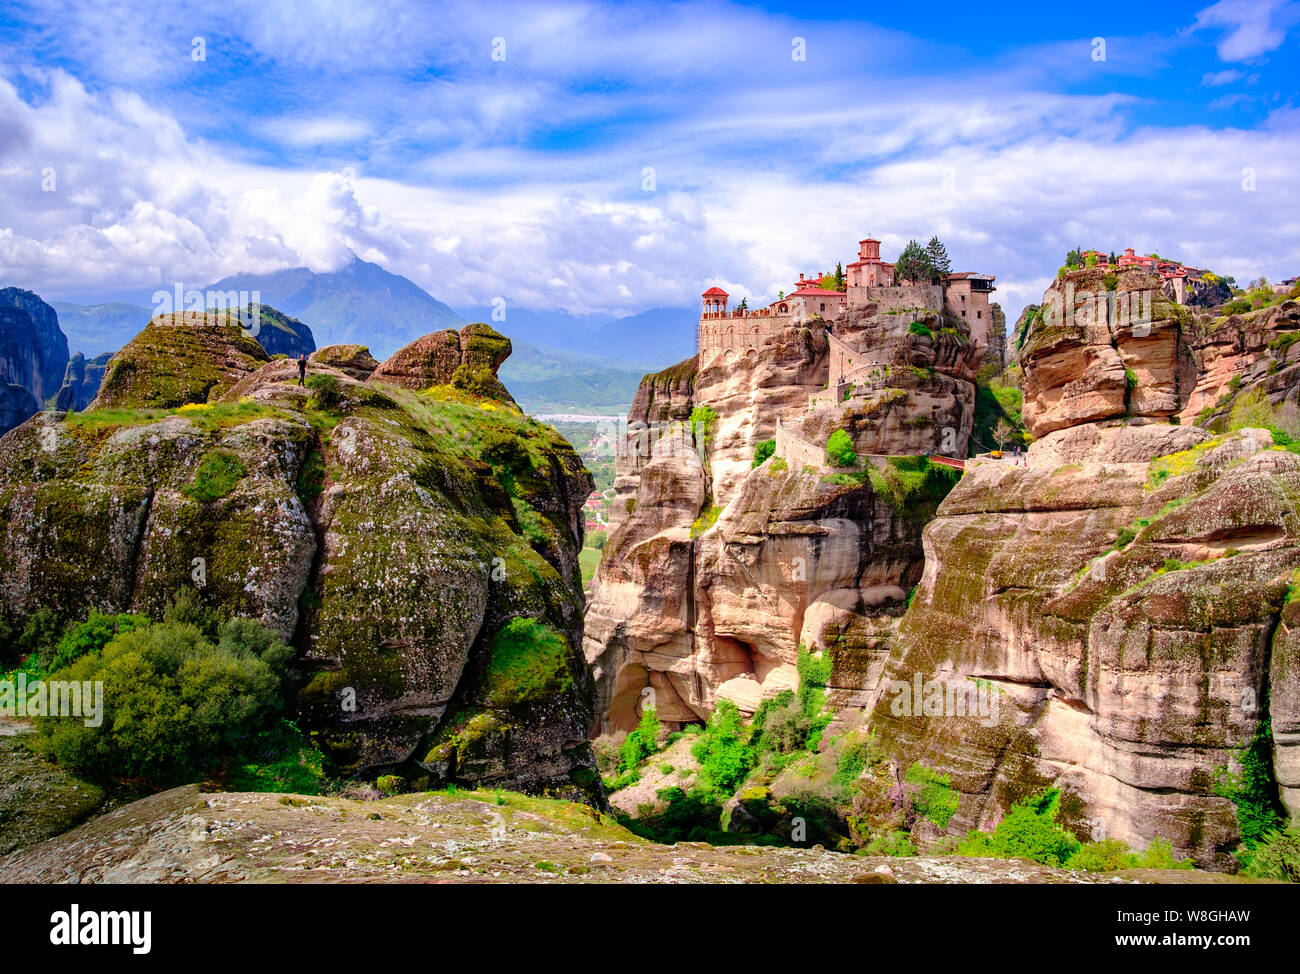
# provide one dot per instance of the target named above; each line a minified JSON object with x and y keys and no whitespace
{"x":1254,"y":27}
{"x":1220,"y":78}
{"x":525,"y":179}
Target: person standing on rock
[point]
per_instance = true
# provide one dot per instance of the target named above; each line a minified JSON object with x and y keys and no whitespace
{"x":302,"y":369}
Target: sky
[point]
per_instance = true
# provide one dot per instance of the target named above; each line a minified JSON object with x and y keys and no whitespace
{"x":610,"y":158}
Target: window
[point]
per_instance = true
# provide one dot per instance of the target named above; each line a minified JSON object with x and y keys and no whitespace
{"x":979,"y":314}
{"x":823,"y":305}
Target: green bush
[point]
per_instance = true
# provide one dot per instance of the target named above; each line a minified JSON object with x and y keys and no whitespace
{"x":1027,"y":831}
{"x":840,"y":451}
{"x":890,"y":844}
{"x":174,"y":703}
{"x":477,"y":382}
{"x":280,"y":759}
{"x":1102,"y":857}
{"x":506,"y":452}
{"x":916,"y":328}
{"x":1276,"y":855}
{"x":723,"y":753}
{"x":91,"y":636}
{"x":1253,"y":789}
{"x":327,"y":392}
{"x":216,"y":476}
{"x":703,"y":422}
{"x":762,"y":451}
{"x":934,"y":799}
{"x":640,"y":743}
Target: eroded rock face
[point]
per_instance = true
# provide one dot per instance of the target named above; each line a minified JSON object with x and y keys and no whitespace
{"x":1101,"y":352}
{"x":716,"y":571}
{"x":20,"y":367}
{"x":81,"y":381}
{"x":355,"y":360}
{"x":434,"y":359}
{"x":1126,"y":678}
{"x":187,"y":357}
{"x":378,"y":543}
{"x":51,"y":345}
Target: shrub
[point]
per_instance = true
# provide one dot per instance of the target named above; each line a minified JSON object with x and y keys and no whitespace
{"x":174,"y":703}
{"x":1276,"y":855}
{"x":641,"y":743}
{"x":705,"y":521}
{"x":840,"y":451}
{"x":477,"y":382}
{"x":762,"y":451}
{"x":703,"y":422}
{"x":1102,"y":857}
{"x":935,"y":798}
{"x":723,"y":752}
{"x":916,"y":328}
{"x":1028,"y":831}
{"x":280,"y":759}
{"x":890,"y":844}
{"x":327,"y":392}
{"x":216,"y":476}
{"x":506,"y":452}
{"x":778,"y":466}
{"x":1252,"y":789}
{"x":91,"y":636}
{"x":311,"y":477}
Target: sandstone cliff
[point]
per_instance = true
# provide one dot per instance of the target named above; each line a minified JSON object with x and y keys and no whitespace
{"x":419,"y":548}
{"x":1127,"y":595}
{"x":717,"y":570}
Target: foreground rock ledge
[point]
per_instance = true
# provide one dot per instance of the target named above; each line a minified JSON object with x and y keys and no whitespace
{"x":185,"y":836}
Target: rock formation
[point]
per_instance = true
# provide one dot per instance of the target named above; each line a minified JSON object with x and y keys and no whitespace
{"x":435,"y":598}
{"x":20,"y":365}
{"x":51,"y":344}
{"x":81,"y":381}
{"x":716,"y":570}
{"x":1127,"y":594}
{"x":1125,"y":598}
{"x":355,"y":360}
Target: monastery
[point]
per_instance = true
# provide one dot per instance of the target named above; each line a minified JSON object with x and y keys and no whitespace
{"x":870,"y":288}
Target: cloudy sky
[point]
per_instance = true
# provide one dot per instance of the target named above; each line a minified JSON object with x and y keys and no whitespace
{"x":616,"y":157}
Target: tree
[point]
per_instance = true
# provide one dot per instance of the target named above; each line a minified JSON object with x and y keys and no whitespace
{"x":839,"y":277}
{"x":744,"y":304}
{"x":839,"y":450}
{"x":1003,"y":431}
{"x":940,"y":265}
{"x":913,"y":264}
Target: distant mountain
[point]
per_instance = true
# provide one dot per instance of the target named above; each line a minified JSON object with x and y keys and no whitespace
{"x":362,"y":303}
{"x":546,"y":381}
{"x":93,"y":329}
{"x":647,"y":341}
{"x":653,"y":339}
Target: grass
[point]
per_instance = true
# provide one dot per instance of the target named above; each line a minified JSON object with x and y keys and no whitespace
{"x":705,"y":521}
{"x":589,"y":561}
{"x":529,"y":659}
{"x":216,"y":476}
{"x":206,"y":416}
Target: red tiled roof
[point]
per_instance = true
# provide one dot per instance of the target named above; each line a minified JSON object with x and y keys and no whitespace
{"x":715,"y":291}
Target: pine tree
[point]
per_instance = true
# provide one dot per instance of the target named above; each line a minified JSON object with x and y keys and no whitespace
{"x":839,"y":276}
{"x":940,"y":265}
{"x":913,"y":264}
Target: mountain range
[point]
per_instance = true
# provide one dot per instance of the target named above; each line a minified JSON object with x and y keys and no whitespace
{"x":561,"y":362}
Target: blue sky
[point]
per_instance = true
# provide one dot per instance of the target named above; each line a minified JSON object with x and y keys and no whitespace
{"x":622,"y":157}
